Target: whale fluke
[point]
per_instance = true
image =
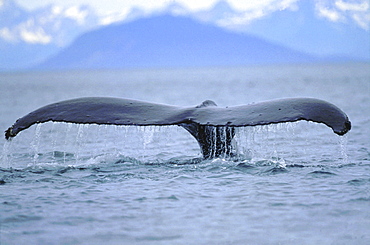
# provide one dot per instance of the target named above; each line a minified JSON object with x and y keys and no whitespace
{"x":213,"y":127}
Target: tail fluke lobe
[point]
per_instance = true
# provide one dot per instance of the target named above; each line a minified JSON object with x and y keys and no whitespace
{"x":213,"y":127}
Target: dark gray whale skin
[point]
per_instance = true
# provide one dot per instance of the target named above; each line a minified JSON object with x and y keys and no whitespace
{"x":213,"y":127}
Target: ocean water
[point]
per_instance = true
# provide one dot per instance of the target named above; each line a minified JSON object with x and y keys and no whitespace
{"x":291,"y":183}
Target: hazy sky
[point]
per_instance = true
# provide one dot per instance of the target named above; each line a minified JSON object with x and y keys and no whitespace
{"x":332,"y":10}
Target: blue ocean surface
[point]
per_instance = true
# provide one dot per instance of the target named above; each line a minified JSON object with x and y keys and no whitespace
{"x":291,"y":183}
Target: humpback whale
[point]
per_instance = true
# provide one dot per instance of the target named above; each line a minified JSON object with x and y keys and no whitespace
{"x":213,"y":127}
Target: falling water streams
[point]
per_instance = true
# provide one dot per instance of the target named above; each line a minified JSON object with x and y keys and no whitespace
{"x":83,"y":142}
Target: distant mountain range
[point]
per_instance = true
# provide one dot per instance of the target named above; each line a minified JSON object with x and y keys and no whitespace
{"x":305,"y":31}
{"x":28,"y":37}
{"x":168,"y":41}
{"x":61,"y":38}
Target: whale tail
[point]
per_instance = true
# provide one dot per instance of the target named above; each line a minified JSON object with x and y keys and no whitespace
{"x":214,"y":141}
{"x":213,"y":127}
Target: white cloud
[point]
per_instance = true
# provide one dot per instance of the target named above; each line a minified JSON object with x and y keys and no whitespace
{"x":344,"y":11}
{"x":245,"y":11}
{"x":241,"y":18}
{"x":49,"y":26}
{"x":26,"y":32}
{"x":262,"y":4}
{"x":105,"y":7}
{"x":31,"y":32}
{"x":7,"y":35}
{"x":248,"y":11}
{"x":114,"y":17}
{"x":194,"y":5}
{"x":76,"y":13}
{"x":56,"y":10}
{"x":362,"y":20}
{"x":328,"y":13}
{"x":352,"y":6}
{"x":101,"y":7}
{"x":37,"y":36}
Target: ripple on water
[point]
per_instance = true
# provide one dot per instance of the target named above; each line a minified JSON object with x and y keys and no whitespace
{"x":321,"y":173}
{"x":359,"y":182}
{"x":21,"y":218}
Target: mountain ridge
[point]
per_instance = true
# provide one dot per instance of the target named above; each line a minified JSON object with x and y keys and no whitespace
{"x":168,"y":41}
{"x":28,"y":37}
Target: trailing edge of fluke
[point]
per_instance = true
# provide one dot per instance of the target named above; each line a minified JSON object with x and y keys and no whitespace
{"x":213,"y":127}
